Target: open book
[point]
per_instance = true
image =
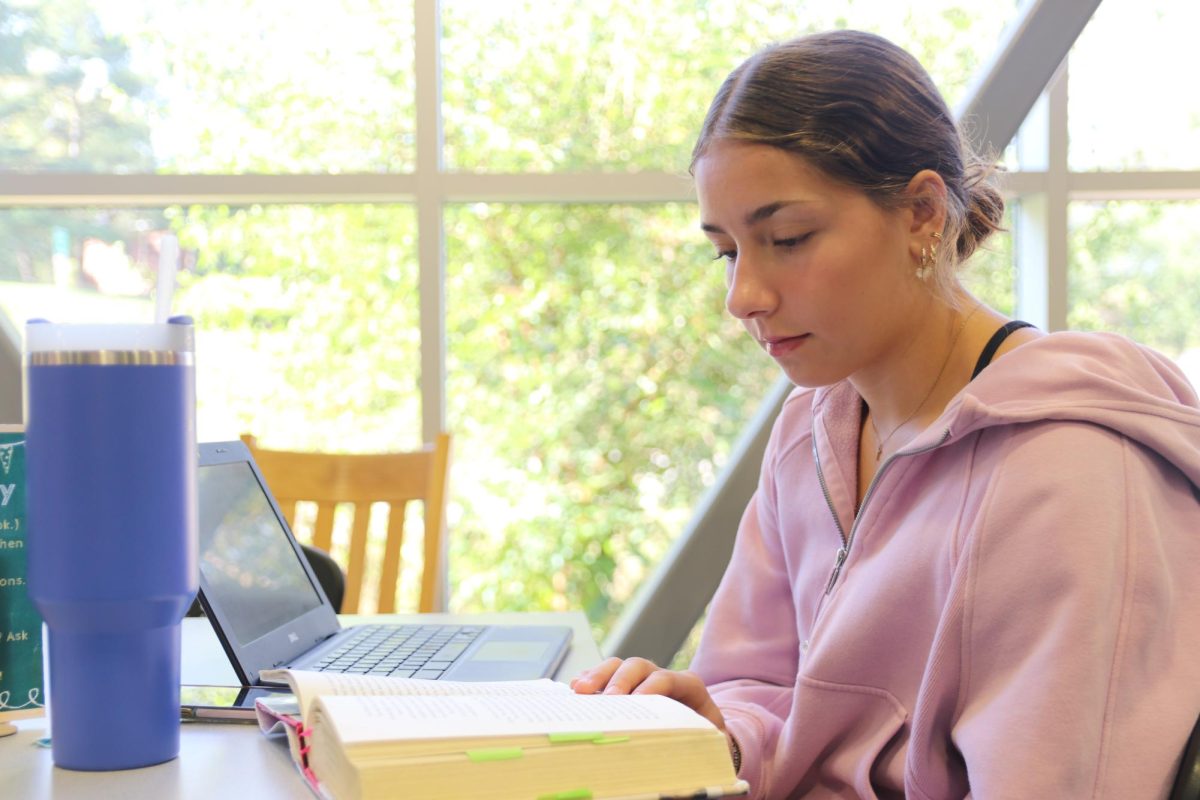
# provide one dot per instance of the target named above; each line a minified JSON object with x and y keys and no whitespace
{"x":359,"y":736}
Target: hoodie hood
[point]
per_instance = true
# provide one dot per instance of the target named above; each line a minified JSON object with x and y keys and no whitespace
{"x":1099,"y":378}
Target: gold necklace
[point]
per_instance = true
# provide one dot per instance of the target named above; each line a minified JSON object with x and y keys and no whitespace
{"x":928,"y":394}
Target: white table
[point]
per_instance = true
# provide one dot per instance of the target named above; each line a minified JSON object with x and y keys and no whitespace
{"x":222,"y":760}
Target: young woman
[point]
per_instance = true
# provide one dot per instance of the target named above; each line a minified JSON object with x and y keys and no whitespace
{"x":970,"y":565}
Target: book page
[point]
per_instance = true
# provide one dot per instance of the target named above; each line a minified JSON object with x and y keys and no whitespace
{"x":398,"y":718}
{"x":308,"y":686}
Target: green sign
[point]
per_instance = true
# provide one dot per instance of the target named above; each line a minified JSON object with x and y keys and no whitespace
{"x":21,"y":693}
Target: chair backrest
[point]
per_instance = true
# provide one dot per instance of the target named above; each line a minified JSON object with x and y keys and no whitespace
{"x":359,"y":480}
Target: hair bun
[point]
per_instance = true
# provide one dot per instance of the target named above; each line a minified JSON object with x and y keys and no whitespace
{"x":984,"y":206}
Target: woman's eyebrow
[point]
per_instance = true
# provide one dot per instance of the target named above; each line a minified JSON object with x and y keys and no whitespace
{"x":757,"y":215}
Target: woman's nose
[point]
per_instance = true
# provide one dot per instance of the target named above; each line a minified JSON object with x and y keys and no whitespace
{"x":749,"y":293}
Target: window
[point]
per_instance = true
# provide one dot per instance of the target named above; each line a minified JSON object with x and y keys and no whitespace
{"x":1127,"y":111}
{"x":219,"y":86}
{"x":371,"y":194}
{"x":1132,"y":270}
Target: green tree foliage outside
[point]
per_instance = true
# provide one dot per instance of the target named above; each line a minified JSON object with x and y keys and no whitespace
{"x":270,"y":86}
{"x":307,"y":323}
{"x":613,"y":84}
{"x":1133,"y":270}
{"x":70,"y":100}
{"x":597,"y":387}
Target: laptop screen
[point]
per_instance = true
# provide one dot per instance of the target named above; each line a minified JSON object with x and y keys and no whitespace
{"x":250,"y":569}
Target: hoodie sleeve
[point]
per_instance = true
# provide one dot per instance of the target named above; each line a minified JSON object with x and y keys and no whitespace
{"x":748,"y":653}
{"x":1075,"y":605}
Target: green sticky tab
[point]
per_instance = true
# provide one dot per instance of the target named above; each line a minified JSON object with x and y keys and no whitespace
{"x":573,"y":794}
{"x":610,"y":740}
{"x":495,"y":753}
{"x":565,"y":738}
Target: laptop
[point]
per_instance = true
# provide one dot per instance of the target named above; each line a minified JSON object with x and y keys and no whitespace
{"x":270,"y":612}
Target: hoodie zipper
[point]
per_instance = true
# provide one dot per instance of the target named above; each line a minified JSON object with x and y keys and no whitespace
{"x":844,"y":551}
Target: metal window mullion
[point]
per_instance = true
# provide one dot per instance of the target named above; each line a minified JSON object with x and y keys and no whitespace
{"x":1135,"y":185}
{"x":82,"y":190}
{"x":1057,"y":199}
{"x":431,"y":257}
{"x":1030,"y":249}
{"x":431,"y":250}
{"x":1040,"y":211}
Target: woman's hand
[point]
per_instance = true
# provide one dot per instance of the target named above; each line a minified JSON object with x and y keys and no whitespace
{"x":639,"y":676}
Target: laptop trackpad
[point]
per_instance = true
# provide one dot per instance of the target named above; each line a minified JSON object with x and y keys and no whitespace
{"x":510,"y":653}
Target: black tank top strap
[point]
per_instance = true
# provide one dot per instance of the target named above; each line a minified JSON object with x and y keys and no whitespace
{"x":989,"y":349}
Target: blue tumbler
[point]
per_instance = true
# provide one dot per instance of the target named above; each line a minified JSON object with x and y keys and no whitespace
{"x":112,"y":550}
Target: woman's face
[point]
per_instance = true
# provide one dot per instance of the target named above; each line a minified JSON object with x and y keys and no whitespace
{"x":820,"y":276}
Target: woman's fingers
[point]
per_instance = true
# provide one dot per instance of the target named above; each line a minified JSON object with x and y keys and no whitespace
{"x":687,"y":688}
{"x":639,"y":676}
{"x":630,"y":675}
{"x":593,"y":680}
{"x":613,"y":676}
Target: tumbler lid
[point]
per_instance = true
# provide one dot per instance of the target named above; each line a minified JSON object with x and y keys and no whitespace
{"x":121,"y":341}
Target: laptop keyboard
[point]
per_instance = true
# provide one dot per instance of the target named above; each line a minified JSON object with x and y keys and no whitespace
{"x":405,"y":651}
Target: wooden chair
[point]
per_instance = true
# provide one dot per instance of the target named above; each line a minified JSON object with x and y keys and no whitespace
{"x":330,"y":479}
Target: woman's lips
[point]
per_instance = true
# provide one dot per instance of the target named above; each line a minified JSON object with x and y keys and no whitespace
{"x":777,"y":346}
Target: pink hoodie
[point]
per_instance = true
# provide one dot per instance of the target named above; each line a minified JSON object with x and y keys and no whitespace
{"x":1018,"y":610}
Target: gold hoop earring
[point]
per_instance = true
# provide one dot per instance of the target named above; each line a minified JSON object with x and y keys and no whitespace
{"x":929,"y":258}
{"x":924,"y":270}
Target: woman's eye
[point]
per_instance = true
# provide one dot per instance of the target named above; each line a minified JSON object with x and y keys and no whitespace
{"x":791,"y":241}
{"x":728,"y":255}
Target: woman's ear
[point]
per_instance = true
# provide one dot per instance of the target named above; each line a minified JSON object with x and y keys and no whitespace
{"x":926,"y":194}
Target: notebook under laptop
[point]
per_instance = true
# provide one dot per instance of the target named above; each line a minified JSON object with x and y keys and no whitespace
{"x":269,"y":610}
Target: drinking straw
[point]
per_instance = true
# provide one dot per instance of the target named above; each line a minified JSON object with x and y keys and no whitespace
{"x":168,"y":263}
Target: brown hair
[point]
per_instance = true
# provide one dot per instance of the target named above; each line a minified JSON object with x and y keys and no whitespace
{"x":865,"y":112}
